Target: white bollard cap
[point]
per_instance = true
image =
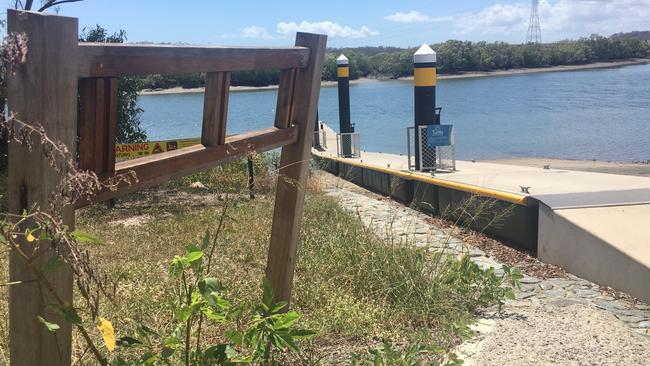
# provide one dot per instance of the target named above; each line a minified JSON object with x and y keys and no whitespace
{"x":424,"y":55}
{"x":342,"y":60}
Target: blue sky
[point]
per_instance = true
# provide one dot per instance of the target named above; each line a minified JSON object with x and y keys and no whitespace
{"x":356,"y":23}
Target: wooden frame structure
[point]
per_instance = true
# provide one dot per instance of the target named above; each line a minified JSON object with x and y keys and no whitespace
{"x":45,"y":91}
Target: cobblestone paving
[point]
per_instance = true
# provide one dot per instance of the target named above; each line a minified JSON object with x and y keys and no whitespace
{"x":396,"y":222}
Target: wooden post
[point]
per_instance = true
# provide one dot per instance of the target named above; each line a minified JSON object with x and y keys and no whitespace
{"x":41,"y":91}
{"x":215,"y":108}
{"x":294,"y":167}
{"x":98,"y":124}
{"x":285,"y":98}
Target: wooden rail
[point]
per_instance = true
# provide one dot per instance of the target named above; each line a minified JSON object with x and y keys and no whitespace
{"x":100,"y":64}
{"x":68,"y":86}
{"x":163,"y":167}
{"x":102,"y":60}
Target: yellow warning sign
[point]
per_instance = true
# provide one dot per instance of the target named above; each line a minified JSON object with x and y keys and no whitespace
{"x":140,"y":149}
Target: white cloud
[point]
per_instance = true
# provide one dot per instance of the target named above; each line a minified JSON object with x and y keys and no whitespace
{"x":332,"y":29}
{"x":255,"y":32}
{"x":409,"y":17}
{"x":286,"y":29}
{"x":414,"y":17}
{"x":582,"y":17}
{"x":559,"y":19}
{"x":497,"y":18}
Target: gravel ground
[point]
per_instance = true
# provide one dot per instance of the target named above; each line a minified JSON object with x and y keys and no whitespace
{"x":560,"y":333}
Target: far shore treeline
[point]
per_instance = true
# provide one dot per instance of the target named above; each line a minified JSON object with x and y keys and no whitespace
{"x":453,"y":57}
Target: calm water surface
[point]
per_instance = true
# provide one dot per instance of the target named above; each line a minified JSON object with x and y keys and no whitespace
{"x":596,"y":114}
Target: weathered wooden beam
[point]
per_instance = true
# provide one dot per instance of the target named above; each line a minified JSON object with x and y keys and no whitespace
{"x":89,"y":109}
{"x":285,"y":98}
{"x":43,"y":91}
{"x":294,"y":168}
{"x":101,"y":60}
{"x":215,"y":108}
{"x":158,"y":168}
{"x":97,"y":124}
{"x":110,"y":125}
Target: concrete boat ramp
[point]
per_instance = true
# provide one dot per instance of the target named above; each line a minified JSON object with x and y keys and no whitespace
{"x":594,"y":225}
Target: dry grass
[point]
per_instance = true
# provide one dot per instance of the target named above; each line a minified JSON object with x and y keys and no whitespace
{"x":4,"y":290}
{"x":4,"y":311}
{"x":139,"y":255}
{"x":353,"y":288}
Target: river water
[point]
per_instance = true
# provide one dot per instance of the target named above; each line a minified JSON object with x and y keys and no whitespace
{"x":595,"y":114}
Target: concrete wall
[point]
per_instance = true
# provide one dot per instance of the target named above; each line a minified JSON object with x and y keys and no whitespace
{"x":351,"y":173}
{"x":563,"y":243}
{"x":375,"y":181}
{"x":425,"y":198}
{"x":327,"y":165}
{"x":401,"y":189}
{"x":513,"y":224}
{"x":505,"y":221}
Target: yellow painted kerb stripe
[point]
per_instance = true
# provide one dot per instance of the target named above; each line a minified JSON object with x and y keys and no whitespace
{"x":343,"y":71}
{"x":425,"y":76}
{"x":481,"y":191}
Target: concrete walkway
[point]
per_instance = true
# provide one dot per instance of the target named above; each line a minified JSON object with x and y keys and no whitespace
{"x":592,"y":224}
{"x":567,"y":321}
{"x":510,"y":178}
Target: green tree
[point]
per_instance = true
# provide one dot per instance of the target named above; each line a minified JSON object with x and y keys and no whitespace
{"x":128,"y":113}
{"x":329,"y":66}
{"x":453,"y":56}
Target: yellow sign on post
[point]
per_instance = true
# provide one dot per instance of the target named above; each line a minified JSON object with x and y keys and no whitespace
{"x":140,"y":149}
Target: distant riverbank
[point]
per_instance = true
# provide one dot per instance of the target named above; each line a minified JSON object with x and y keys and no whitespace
{"x":592,"y":66}
{"x":465,"y":75}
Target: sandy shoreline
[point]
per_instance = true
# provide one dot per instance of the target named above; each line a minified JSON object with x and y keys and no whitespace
{"x":179,"y":90}
{"x":467,"y":75}
{"x":640,"y":169}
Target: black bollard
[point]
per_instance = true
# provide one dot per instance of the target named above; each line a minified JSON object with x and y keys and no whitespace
{"x":251,"y":178}
{"x":425,"y":102}
{"x":316,"y":142}
{"x":345,"y":126}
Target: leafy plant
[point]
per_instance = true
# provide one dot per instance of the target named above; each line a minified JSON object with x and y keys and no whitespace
{"x":44,"y":231}
{"x":414,"y":355}
{"x":198,"y":297}
{"x":271,"y":330}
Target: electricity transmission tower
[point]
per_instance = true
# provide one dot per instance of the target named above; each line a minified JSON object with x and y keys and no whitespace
{"x":534,"y":34}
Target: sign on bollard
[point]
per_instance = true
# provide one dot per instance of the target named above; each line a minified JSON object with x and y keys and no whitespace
{"x":439,"y":135}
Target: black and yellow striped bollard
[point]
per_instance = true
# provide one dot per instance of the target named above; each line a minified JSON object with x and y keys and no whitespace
{"x":425,"y":102}
{"x":345,"y":125}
